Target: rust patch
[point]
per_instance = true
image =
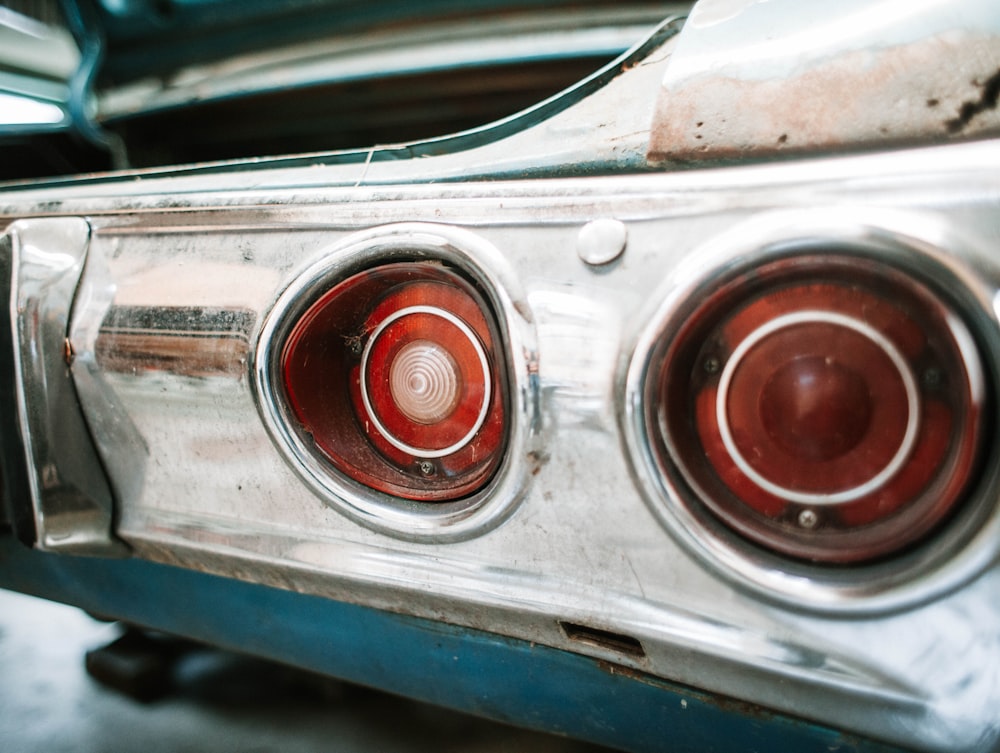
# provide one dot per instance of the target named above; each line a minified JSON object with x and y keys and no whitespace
{"x":743,"y":708}
{"x":969,"y":110}
{"x":618,"y":670}
{"x":537,"y":461}
{"x":724,"y":703}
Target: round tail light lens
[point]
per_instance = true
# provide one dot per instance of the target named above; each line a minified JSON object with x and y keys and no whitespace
{"x":829,"y":409}
{"x":396,"y":377}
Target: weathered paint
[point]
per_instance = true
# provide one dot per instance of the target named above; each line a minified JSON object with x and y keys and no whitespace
{"x":509,"y":680}
{"x":768,"y":79}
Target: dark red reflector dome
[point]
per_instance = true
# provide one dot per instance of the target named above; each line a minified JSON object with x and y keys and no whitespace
{"x":396,"y":376}
{"x":829,"y":410}
{"x":815,"y":408}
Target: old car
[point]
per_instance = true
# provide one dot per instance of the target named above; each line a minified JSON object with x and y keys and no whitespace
{"x":623,"y":371}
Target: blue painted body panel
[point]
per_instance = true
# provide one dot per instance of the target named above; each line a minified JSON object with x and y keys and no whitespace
{"x":482,"y":673}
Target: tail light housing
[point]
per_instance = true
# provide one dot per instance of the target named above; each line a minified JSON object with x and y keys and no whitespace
{"x":829,"y":410}
{"x":810,"y":415}
{"x":396,"y":376}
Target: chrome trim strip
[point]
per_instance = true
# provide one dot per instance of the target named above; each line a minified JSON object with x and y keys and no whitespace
{"x":122,"y":448}
{"x":69,"y":490}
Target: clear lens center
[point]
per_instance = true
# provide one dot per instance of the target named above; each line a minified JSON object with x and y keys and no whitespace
{"x":424,"y":381}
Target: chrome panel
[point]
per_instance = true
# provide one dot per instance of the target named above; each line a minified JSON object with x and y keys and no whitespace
{"x":582,"y":545}
{"x":751,"y":78}
{"x":69,"y":491}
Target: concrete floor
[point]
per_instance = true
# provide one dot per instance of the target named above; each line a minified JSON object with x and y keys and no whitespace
{"x":219,"y":702}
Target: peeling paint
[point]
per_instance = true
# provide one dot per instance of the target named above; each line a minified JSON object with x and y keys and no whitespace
{"x":971,"y":109}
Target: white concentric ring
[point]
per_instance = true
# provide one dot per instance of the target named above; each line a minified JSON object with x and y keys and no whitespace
{"x":823,"y":317}
{"x":424,"y":382}
{"x":484,"y":363}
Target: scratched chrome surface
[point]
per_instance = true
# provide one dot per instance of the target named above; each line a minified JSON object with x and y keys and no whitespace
{"x":68,"y":491}
{"x":185,"y":270}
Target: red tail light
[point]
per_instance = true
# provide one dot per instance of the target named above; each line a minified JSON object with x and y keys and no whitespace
{"x":828,"y":410}
{"x":396,"y":376}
